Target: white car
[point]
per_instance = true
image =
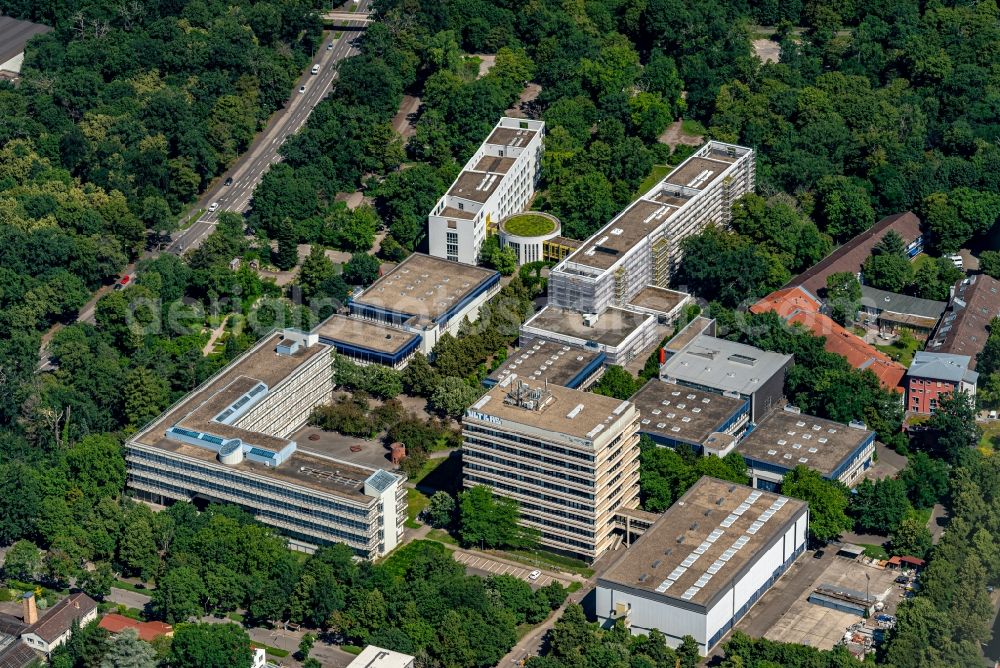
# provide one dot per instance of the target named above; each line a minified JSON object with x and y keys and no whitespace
{"x":534,"y":575}
{"x":329,"y":47}
{"x":302,"y":89}
{"x":957,"y":261}
{"x":315,"y":68}
{"x":212,"y":207}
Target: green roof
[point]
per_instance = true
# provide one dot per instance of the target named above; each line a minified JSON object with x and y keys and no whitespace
{"x":529,"y":225}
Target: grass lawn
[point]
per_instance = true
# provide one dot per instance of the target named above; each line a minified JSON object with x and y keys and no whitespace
{"x":274,"y":651}
{"x":416,"y":501}
{"x":923,"y":514}
{"x":546,"y":559}
{"x":351,"y":649}
{"x":689,"y":126}
{"x":574,"y":586}
{"x":236,"y":617}
{"x":655,"y":176}
{"x":122,"y":584}
{"x":875,"y":551}
{"x":441,"y":536}
{"x":429,"y":467}
{"x":528,"y":225}
{"x":991,"y":436}
{"x":902,"y":349}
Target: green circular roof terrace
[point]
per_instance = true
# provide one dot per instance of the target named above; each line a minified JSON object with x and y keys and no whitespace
{"x":529,"y":225}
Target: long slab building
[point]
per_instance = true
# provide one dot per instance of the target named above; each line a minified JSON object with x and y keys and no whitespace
{"x":569,"y":458}
{"x":498,"y":180}
{"x":230,"y":441}
{"x":704,"y":563}
{"x":641,"y":246}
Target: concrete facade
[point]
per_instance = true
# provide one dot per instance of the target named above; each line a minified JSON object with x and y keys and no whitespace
{"x":641,"y":245}
{"x":228,"y":441}
{"x":498,"y":180}
{"x":570,"y":459}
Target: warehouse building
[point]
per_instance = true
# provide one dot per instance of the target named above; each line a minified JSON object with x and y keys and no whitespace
{"x":498,"y":180}
{"x":570,"y":459}
{"x":674,"y":415}
{"x":229,"y":441}
{"x":547,"y":362}
{"x":697,"y":360}
{"x":621,"y":334}
{"x":641,"y":246}
{"x":427,"y":296}
{"x":788,"y":438}
{"x":704,"y":563}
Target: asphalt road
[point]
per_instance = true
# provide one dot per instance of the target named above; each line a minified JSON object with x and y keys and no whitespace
{"x":249,"y":169}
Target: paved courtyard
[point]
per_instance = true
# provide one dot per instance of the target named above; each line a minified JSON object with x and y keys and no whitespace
{"x":806,"y":623}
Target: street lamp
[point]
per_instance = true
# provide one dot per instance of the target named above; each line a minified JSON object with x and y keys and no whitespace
{"x":868,"y":580}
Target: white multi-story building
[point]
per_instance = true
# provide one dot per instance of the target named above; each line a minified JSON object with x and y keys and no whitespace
{"x":704,"y":563}
{"x":569,"y":458}
{"x":498,"y":180}
{"x":229,"y":441}
{"x":641,"y":246}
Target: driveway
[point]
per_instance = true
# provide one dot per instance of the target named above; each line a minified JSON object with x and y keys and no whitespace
{"x":128,"y":598}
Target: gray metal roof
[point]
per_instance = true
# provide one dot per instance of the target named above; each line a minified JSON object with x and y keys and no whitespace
{"x":15,"y":34}
{"x":723,"y":365}
{"x":897,"y":303}
{"x":942,"y":366}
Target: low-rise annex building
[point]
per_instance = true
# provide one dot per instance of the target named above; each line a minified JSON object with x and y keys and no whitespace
{"x":788,"y":438}
{"x":673,"y":415}
{"x":547,"y":362}
{"x":426,"y":296}
{"x":569,"y":458}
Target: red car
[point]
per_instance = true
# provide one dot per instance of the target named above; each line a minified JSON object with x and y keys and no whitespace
{"x":123,"y":282}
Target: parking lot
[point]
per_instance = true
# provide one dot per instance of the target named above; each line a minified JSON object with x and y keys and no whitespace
{"x":484,"y":566}
{"x":810,"y":624}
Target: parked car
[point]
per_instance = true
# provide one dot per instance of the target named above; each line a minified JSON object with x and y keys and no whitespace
{"x":902,"y":579}
{"x":315,"y":69}
{"x":124,"y":281}
{"x":534,"y":575}
{"x":229,"y":181}
{"x":957,"y":261}
{"x":819,"y":554}
{"x":329,"y":47}
{"x":302,"y":89}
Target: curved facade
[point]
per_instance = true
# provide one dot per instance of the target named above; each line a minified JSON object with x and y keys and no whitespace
{"x":529,"y":248}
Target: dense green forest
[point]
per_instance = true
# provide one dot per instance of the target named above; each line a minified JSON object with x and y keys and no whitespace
{"x":124,"y":114}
